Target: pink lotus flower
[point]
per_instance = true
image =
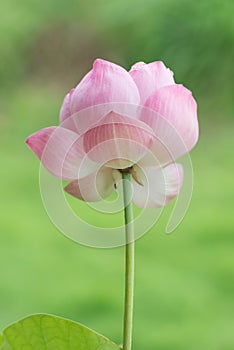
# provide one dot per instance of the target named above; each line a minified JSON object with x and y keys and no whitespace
{"x":114,"y":121}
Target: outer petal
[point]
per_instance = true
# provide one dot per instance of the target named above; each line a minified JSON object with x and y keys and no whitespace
{"x":65,"y":110}
{"x":87,"y":118}
{"x":151,"y":77}
{"x":158,"y":186}
{"x":93,"y":187}
{"x":175,"y":119}
{"x":106,"y":82}
{"x":61,"y":152}
{"x":158,"y":155}
{"x":118,"y":141}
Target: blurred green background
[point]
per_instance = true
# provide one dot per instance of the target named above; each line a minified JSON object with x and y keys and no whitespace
{"x":184,"y":296}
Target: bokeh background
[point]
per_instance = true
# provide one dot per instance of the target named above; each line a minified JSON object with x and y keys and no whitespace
{"x":184,"y":296}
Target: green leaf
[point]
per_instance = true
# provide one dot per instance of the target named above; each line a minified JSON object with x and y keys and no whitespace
{"x":47,"y":332}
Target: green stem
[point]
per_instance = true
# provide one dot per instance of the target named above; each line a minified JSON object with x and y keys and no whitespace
{"x":129,"y":262}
